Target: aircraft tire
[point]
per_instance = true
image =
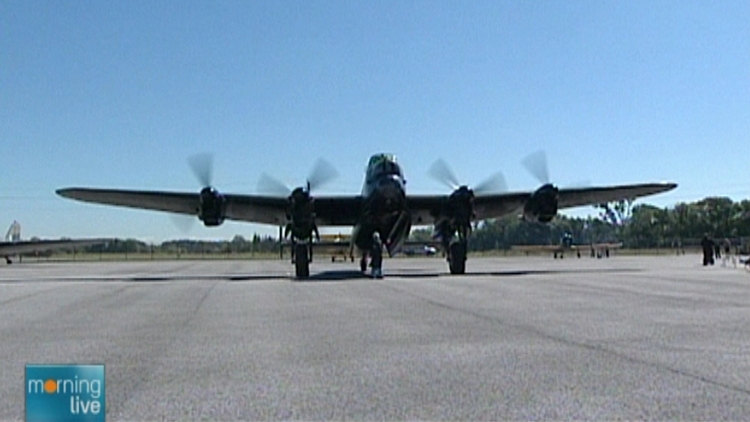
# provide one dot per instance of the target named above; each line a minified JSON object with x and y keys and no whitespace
{"x":301,"y":263}
{"x":457,"y":262}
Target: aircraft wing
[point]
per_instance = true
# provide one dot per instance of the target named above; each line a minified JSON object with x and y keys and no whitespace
{"x":330,"y":211}
{"x":425,"y":208}
{"x":15,"y":248}
{"x":344,"y":210}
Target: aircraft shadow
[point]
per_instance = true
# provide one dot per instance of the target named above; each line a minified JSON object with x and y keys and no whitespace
{"x":325,"y":276}
{"x":515,"y":273}
{"x":352,"y":275}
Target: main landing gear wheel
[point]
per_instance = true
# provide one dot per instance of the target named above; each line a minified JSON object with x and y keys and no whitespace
{"x":301,"y":261}
{"x":457,"y":258}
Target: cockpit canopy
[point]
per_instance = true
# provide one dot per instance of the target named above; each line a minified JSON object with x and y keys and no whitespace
{"x":383,"y":164}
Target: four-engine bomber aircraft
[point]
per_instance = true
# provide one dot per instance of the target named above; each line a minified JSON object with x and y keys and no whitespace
{"x":382,"y":207}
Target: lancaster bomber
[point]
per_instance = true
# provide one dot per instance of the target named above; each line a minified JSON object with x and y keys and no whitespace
{"x":382,"y":207}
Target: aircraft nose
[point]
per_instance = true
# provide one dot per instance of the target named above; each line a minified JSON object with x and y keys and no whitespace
{"x":392,"y":191}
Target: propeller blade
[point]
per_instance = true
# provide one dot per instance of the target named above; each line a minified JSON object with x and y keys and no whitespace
{"x":536,"y":164}
{"x":183,"y":222}
{"x":322,"y":173}
{"x":271,"y":186}
{"x":493,"y":184}
{"x":440,"y":171}
{"x":202,"y":166}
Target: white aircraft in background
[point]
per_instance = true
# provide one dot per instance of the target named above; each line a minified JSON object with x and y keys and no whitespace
{"x":14,"y":246}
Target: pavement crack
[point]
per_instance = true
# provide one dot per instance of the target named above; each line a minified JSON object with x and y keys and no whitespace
{"x":572,"y":343}
{"x":199,"y":305}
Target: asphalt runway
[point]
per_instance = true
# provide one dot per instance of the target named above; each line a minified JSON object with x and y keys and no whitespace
{"x":636,"y":338}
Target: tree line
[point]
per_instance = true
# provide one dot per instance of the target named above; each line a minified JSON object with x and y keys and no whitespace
{"x":640,"y":226}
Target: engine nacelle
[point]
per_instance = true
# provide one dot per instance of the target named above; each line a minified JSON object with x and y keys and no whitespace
{"x":301,"y":215}
{"x":541,"y":205}
{"x":212,"y":207}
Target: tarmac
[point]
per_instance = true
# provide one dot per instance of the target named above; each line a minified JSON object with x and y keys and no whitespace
{"x":523,"y":338}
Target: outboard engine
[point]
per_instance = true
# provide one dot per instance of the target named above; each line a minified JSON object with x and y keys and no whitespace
{"x":212,"y":207}
{"x":541,"y":205}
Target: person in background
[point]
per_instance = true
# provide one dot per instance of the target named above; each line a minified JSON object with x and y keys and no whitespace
{"x":728,"y":253}
{"x":708,"y":250}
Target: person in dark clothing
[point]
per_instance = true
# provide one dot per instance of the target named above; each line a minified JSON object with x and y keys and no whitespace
{"x":376,"y":255}
{"x":708,"y":250}
{"x":717,"y":250}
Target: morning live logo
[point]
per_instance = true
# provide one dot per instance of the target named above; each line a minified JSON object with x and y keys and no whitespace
{"x":65,"y":393}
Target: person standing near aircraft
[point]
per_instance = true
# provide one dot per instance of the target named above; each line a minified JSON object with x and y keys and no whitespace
{"x":376,"y":256}
{"x":708,"y":250}
{"x":727,"y":253}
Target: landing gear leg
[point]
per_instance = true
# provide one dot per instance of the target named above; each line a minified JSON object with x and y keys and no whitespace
{"x":457,"y":257}
{"x":301,"y":261}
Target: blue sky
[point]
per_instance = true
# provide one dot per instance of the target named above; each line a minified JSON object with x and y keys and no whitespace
{"x":119,"y":94}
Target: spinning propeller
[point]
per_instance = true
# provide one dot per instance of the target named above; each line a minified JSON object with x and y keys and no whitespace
{"x":203,"y":168}
{"x":459,"y":209}
{"x":322,"y":173}
{"x":300,"y":211}
{"x":541,"y":206}
{"x":536,"y":165}
{"x":212,"y":204}
{"x":441,"y":172}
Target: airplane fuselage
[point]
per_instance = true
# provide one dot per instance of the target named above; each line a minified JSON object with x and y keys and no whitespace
{"x":384,"y":206}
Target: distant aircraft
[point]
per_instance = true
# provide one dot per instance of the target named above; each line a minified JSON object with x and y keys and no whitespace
{"x":382,"y":207}
{"x":566,"y":245}
{"x":337,"y":245}
{"x":420,"y":250}
{"x":14,"y":246}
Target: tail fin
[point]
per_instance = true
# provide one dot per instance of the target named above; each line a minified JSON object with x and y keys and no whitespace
{"x":14,"y":232}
